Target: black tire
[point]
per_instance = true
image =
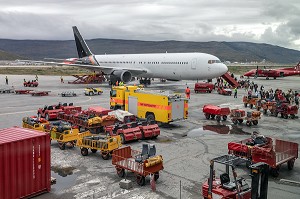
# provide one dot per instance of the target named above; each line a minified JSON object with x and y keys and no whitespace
{"x":276,"y":114}
{"x":123,"y":141}
{"x":90,"y":93}
{"x":156,"y":176}
{"x":105,"y":156}
{"x":235,"y":122}
{"x":84,"y":151}
{"x":218,"y":118}
{"x":290,"y":164}
{"x":94,"y":150}
{"x":255,"y":122}
{"x":285,"y":116}
{"x":140,"y":180}
{"x":274,"y":172}
{"x":292,"y":116}
{"x":224,"y":117}
{"x":212,"y":117}
{"x":61,"y":145}
{"x":207,"y":116}
{"x":121,"y":172}
{"x":251,"y":106}
{"x":99,"y":93}
{"x":241,"y":121}
{"x":265,"y":111}
{"x":150,"y":117}
{"x":248,"y":123}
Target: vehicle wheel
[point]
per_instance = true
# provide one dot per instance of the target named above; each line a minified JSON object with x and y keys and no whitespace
{"x":212,"y":117}
{"x":90,"y":93}
{"x":207,"y":116}
{"x":150,"y":117}
{"x":105,"y":156}
{"x":267,"y":78}
{"x":140,"y":180}
{"x":121,"y":172}
{"x":276,"y":114}
{"x":156,"y":176}
{"x":290,"y":164}
{"x":61,"y":145}
{"x":292,"y":116}
{"x":275,"y":172}
{"x":224,"y":117}
{"x":241,"y":121}
{"x":245,"y":104}
{"x":285,"y":116}
{"x":123,"y":141}
{"x":255,"y":122}
{"x":99,"y":93}
{"x":265,"y":111}
{"x":47,"y":117}
{"x":94,"y":150}
{"x":235,"y":122}
{"x":248,"y":123}
{"x":84,"y":151}
{"x":258,"y":108}
{"x":63,"y":95}
{"x":251,"y":106}
{"x":218,"y":118}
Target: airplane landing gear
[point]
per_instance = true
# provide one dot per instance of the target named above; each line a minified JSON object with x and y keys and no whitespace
{"x":145,"y":81}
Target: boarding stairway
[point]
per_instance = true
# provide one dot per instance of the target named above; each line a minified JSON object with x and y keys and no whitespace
{"x":230,"y":80}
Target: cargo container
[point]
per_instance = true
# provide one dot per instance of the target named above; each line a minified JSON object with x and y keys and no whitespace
{"x":24,"y":163}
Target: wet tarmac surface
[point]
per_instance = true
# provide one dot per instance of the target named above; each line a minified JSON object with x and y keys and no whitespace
{"x":186,"y":146}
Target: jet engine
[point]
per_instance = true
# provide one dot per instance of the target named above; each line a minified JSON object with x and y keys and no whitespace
{"x":120,"y":75}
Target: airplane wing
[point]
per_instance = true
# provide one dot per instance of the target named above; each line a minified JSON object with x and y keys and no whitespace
{"x":105,"y":69}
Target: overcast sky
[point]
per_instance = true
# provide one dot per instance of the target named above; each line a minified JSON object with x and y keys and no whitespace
{"x":274,"y":22}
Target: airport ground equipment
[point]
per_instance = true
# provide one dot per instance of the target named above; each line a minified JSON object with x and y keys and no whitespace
{"x":251,"y":100}
{"x":212,"y":111}
{"x":238,"y":116}
{"x":203,"y":87}
{"x":123,"y":117}
{"x":40,"y":93}
{"x":235,"y":188}
{"x":134,"y":131}
{"x":286,"y":110}
{"x":231,"y":80}
{"x":25,"y":91}
{"x":64,"y":134}
{"x":93,"y":91}
{"x":268,"y":106}
{"x":141,"y":164}
{"x":35,"y":123}
{"x":32,"y":83}
{"x":150,"y":105}
{"x":87,"y":79}
{"x":273,"y":152}
{"x":51,"y":112}
{"x":106,"y":145}
{"x":224,"y":91}
{"x":68,"y":94}
{"x":7,"y":89}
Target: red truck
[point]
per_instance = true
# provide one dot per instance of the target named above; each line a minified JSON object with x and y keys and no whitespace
{"x":204,"y":87}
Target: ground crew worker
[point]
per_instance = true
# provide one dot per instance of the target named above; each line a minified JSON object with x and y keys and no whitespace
{"x":187,"y":92}
{"x":61,"y":79}
{"x":36,"y":78}
{"x":24,"y":80}
{"x":117,"y":83}
{"x":235,"y":92}
{"x":121,"y":83}
{"x":6,"y":80}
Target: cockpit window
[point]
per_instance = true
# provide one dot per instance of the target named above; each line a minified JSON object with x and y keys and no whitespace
{"x":214,"y":61}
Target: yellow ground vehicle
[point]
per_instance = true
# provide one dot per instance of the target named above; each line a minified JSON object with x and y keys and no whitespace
{"x":151,"y":105}
{"x":104,"y":144}
{"x":34,"y":123}
{"x":93,"y":91}
{"x":65,"y":135}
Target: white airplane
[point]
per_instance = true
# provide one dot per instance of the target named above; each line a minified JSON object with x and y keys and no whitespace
{"x":171,"y":66}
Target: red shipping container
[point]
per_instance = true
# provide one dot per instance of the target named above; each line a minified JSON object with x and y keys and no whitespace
{"x":24,"y":163}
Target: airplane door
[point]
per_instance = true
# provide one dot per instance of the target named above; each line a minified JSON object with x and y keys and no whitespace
{"x":194,"y":63}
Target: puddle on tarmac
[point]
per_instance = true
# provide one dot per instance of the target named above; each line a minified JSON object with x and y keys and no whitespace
{"x":64,"y":178}
{"x":216,"y":129}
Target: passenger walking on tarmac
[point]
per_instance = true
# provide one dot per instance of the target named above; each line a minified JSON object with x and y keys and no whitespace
{"x":61,"y":79}
{"x":6,"y":80}
{"x":188,"y":92}
{"x":235,"y":92}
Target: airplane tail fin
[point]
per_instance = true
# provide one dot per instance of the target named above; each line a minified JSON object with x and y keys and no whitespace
{"x":82,"y":48}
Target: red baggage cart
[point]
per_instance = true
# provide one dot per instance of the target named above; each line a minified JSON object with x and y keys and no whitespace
{"x":212,"y":111}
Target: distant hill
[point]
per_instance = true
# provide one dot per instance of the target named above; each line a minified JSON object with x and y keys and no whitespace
{"x":226,"y":51}
{"x":9,"y":56}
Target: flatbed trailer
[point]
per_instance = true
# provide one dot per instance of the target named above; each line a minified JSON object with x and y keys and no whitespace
{"x":274,"y":153}
{"x":106,"y":145}
{"x":40,"y":93}
{"x":126,"y":159}
{"x":7,"y":90}
{"x":26,"y":91}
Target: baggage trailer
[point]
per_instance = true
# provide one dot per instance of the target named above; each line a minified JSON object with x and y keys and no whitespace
{"x":212,"y":111}
{"x":141,"y":164}
{"x":203,"y":87}
{"x":32,"y":83}
{"x":273,"y":152}
{"x":268,"y":106}
{"x":252,"y":101}
{"x":238,"y":116}
{"x":23,"y":91}
{"x":150,"y":105}
{"x":51,"y":112}
{"x":40,"y":93}
{"x":106,"y":145}
{"x":39,"y":124}
{"x":286,"y":110}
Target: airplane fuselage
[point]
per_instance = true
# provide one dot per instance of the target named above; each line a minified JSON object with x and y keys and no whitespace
{"x":176,"y":66}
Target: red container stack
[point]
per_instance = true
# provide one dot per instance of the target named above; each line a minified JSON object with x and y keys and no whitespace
{"x":24,"y":163}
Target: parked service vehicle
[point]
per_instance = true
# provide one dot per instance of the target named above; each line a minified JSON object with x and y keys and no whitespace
{"x":150,"y":105}
{"x":203,"y":87}
{"x":32,"y":83}
{"x":212,"y":111}
{"x":93,"y":91}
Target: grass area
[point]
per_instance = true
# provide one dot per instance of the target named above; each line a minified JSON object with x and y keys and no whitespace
{"x":51,"y":70}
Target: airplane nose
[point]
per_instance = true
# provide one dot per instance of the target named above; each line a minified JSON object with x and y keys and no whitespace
{"x":223,"y":69}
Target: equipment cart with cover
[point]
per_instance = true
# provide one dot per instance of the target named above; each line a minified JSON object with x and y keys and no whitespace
{"x":141,"y":164}
{"x":212,"y":111}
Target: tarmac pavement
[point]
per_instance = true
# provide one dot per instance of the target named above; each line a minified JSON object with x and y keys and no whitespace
{"x":186,"y":146}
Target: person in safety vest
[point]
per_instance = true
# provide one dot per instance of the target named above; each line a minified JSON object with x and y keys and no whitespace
{"x":187,"y":92}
